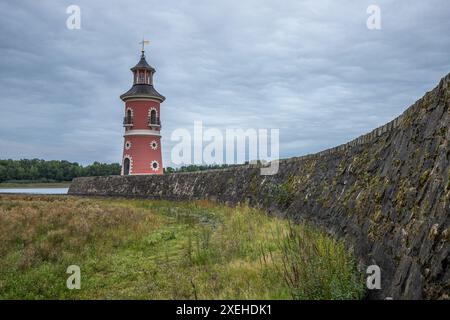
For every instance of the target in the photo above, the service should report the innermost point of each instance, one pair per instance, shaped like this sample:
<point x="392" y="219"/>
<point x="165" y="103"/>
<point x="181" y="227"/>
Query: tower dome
<point x="142" y="82"/>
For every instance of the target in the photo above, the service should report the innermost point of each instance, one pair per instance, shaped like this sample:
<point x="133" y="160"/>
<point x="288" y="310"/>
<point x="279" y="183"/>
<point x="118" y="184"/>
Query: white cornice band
<point x="142" y="132"/>
<point x="140" y="98"/>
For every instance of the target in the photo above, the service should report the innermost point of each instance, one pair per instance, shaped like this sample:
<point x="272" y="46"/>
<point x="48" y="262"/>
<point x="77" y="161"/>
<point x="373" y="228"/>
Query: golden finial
<point x="144" y="42"/>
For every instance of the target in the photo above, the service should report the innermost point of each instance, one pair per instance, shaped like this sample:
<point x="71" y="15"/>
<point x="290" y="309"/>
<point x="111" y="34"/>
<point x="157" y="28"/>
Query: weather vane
<point x="144" y="42"/>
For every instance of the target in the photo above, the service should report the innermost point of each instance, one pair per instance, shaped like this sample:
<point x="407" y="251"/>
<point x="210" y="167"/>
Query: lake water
<point x="36" y="190"/>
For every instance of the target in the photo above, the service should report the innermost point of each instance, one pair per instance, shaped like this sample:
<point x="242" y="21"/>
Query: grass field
<point x="141" y="249"/>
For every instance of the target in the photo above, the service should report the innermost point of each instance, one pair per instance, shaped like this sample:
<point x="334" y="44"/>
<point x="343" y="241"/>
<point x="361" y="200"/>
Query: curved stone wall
<point x="387" y="193"/>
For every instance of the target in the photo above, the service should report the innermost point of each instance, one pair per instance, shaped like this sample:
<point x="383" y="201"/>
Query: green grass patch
<point x="142" y="249"/>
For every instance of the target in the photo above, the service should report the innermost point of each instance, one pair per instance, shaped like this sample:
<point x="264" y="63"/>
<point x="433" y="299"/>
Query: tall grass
<point x="165" y="250"/>
<point x="316" y="266"/>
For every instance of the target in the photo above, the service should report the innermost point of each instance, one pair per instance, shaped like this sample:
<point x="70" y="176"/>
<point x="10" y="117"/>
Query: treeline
<point x="52" y="171"/>
<point x="193" y="167"/>
<point x="38" y="170"/>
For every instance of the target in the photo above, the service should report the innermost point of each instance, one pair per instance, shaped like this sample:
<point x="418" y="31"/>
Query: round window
<point x="155" y="165"/>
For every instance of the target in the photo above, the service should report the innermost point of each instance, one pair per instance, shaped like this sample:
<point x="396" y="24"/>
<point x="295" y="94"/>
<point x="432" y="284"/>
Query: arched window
<point x="126" y="166"/>
<point x="153" y="119"/>
<point x="128" y="120"/>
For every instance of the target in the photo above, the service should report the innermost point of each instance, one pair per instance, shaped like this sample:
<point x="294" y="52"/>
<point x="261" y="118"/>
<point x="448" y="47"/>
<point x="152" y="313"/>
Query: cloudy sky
<point x="310" y="68"/>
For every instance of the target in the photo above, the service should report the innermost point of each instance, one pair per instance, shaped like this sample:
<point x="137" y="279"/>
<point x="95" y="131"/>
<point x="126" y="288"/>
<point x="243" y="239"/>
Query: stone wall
<point x="386" y="193"/>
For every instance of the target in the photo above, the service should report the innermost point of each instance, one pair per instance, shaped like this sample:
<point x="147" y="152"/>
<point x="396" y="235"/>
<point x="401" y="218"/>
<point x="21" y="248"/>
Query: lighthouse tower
<point x="142" y="138"/>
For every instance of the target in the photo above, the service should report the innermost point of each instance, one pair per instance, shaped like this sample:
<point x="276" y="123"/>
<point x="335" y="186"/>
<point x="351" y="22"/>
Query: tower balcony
<point x="128" y="121"/>
<point x="154" y="122"/>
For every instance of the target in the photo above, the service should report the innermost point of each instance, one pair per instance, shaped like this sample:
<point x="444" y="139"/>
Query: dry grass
<point x="47" y="228"/>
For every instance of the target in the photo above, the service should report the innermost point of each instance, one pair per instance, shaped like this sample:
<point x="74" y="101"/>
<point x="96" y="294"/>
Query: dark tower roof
<point x="142" y="64"/>
<point x="142" y="90"/>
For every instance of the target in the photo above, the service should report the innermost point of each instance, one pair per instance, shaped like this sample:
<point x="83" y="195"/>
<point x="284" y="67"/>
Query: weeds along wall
<point x="386" y="193"/>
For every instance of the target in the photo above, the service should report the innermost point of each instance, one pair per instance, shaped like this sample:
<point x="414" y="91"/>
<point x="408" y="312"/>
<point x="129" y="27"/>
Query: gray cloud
<point x="310" y="68"/>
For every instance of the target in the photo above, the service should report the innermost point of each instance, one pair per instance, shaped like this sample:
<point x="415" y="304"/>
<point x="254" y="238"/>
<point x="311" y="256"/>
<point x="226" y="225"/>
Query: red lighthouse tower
<point x="142" y="138"/>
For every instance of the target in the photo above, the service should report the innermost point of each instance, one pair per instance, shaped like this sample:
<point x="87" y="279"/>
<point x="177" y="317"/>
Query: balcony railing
<point x="154" y="122"/>
<point x="128" y="121"/>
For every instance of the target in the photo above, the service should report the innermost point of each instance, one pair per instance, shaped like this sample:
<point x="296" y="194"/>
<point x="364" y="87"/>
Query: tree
<point x="3" y="175"/>
<point x="53" y="170"/>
